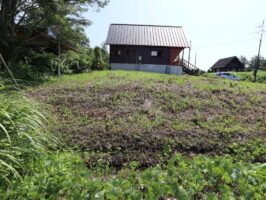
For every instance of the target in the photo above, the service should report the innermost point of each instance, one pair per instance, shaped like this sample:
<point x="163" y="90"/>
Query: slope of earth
<point x="244" y="76"/>
<point x="119" y="117"/>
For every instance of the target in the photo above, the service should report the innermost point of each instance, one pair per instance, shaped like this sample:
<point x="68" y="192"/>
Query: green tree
<point x="63" y="15"/>
<point x="263" y="64"/>
<point x="244" y="60"/>
<point x="99" y="58"/>
<point x="105" y="53"/>
<point x="254" y="60"/>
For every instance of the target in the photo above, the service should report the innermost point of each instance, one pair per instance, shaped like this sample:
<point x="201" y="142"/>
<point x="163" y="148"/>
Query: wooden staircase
<point x="189" y="68"/>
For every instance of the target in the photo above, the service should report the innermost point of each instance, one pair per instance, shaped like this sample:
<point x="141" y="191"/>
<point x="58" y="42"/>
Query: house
<point x="148" y="48"/>
<point x="227" y="64"/>
<point x="42" y="39"/>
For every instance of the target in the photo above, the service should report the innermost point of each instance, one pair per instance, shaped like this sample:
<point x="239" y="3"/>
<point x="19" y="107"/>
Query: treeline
<point x="250" y="64"/>
<point x="43" y="37"/>
<point x="34" y="65"/>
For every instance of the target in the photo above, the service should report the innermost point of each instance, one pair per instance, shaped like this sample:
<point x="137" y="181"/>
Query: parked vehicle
<point x="228" y="76"/>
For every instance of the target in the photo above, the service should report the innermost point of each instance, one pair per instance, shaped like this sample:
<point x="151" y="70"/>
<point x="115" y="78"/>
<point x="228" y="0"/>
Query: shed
<point x="227" y="64"/>
<point x="151" y="48"/>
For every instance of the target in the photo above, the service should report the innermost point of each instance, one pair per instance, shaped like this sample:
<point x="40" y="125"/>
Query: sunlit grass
<point x="22" y="135"/>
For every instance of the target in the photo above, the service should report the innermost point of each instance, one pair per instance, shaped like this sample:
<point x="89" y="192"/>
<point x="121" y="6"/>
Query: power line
<point x="226" y="43"/>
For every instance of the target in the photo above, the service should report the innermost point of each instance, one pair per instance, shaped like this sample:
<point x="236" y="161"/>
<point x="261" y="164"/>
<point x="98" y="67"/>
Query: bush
<point x="32" y="66"/>
<point x="35" y="66"/>
<point x="248" y="76"/>
<point x="78" y="62"/>
<point x="100" y="58"/>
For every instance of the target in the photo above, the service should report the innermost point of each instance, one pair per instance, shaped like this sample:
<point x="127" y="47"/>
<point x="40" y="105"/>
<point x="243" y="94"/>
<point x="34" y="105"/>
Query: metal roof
<point x="146" y="35"/>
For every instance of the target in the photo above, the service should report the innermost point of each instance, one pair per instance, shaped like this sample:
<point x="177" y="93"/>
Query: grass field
<point x="133" y="135"/>
<point x="246" y="76"/>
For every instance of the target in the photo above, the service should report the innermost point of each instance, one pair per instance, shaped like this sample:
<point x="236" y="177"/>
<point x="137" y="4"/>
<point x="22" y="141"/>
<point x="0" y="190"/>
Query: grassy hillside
<point x="132" y="135"/>
<point x="248" y="76"/>
<point x="245" y="76"/>
<point x="120" y="117"/>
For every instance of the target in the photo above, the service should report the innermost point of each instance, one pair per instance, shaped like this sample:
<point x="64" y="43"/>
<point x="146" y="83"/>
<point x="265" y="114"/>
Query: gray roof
<point x="146" y="35"/>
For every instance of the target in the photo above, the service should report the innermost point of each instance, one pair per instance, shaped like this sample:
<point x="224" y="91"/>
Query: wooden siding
<point x="130" y="54"/>
<point x="174" y="52"/>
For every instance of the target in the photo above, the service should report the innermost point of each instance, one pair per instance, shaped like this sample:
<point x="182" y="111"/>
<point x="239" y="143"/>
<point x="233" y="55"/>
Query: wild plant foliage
<point x="63" y="15"/>
<point x="29" y="170"/>
<point x="22" y="136"/>
<point x="63" y="175"/>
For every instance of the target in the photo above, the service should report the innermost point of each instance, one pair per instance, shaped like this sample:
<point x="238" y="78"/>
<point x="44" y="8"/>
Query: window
<point x="154" y="53"/>
<point x="118" y="52"/>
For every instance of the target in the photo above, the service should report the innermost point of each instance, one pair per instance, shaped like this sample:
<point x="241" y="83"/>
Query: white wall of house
<point x="163" y="69"/>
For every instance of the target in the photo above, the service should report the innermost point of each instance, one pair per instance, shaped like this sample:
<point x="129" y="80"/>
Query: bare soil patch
<point x="147" y="123"/>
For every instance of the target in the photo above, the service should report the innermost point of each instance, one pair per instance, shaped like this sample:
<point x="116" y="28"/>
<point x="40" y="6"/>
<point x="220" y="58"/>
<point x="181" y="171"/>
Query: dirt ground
<point x="149" y="122"/>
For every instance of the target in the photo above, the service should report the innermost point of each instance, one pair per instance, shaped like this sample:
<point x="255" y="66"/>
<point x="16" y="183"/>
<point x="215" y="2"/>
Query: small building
<point x="148" y="48"/>
<point x="227" y="64"/>
<point x="42" y="39"/>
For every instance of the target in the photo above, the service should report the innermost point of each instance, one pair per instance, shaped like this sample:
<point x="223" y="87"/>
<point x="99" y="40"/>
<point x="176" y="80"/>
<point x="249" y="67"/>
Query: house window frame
<point x="118" y="52"/>
<point x="154" y="53"/>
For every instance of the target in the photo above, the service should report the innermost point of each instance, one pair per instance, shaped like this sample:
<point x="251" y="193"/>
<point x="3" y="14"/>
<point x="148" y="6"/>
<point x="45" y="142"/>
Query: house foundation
<point x="163" y="69"/>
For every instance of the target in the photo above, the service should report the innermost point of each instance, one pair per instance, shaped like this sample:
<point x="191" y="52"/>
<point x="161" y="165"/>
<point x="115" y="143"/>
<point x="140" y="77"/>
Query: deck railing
<point x="189" y="68"/>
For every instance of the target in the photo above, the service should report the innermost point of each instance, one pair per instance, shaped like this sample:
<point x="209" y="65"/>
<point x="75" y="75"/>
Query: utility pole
<point x="257" y="64"/>
<point x="195" y="60"/>
<point x="183" y="55"/>
<point x="189" y="53"/>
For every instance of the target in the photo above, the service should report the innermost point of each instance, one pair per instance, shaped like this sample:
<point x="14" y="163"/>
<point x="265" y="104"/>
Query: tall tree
<point x="244" y="60"/>
<point x="63" y="15"/>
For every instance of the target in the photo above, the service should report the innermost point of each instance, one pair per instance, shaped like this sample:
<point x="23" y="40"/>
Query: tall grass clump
<point x="22" y="136"/>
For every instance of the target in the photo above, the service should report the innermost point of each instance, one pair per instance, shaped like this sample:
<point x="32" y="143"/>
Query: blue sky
<point x="216" y="28"/>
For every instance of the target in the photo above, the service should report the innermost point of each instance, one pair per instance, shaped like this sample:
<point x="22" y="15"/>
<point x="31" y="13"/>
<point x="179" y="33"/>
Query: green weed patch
<point x="121" y="117"/>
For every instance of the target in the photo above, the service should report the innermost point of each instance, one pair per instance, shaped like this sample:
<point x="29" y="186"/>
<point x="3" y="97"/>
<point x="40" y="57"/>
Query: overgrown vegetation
<point x="38" y="37"/>
<point x="22" y="136"/>
<point x="20" y="21"/>
<point x="64" y="176"/>
<point x="244" y="76"/>
<point x="36" y="66"/>
<point x="128" y="130"/>
<point x="120" y="117"/>
<point x="248" y="76"/>
<point x="250" y="64"/>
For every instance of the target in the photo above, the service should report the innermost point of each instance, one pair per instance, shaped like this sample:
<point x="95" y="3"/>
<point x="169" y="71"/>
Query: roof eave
<point x="107" y="43"/>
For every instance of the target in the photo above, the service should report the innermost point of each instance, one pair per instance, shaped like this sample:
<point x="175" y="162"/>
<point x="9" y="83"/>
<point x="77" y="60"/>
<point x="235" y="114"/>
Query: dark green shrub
<point x="78" y="62"/>
<point x="100" y="59"/>
<point x="35" y="66"/>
